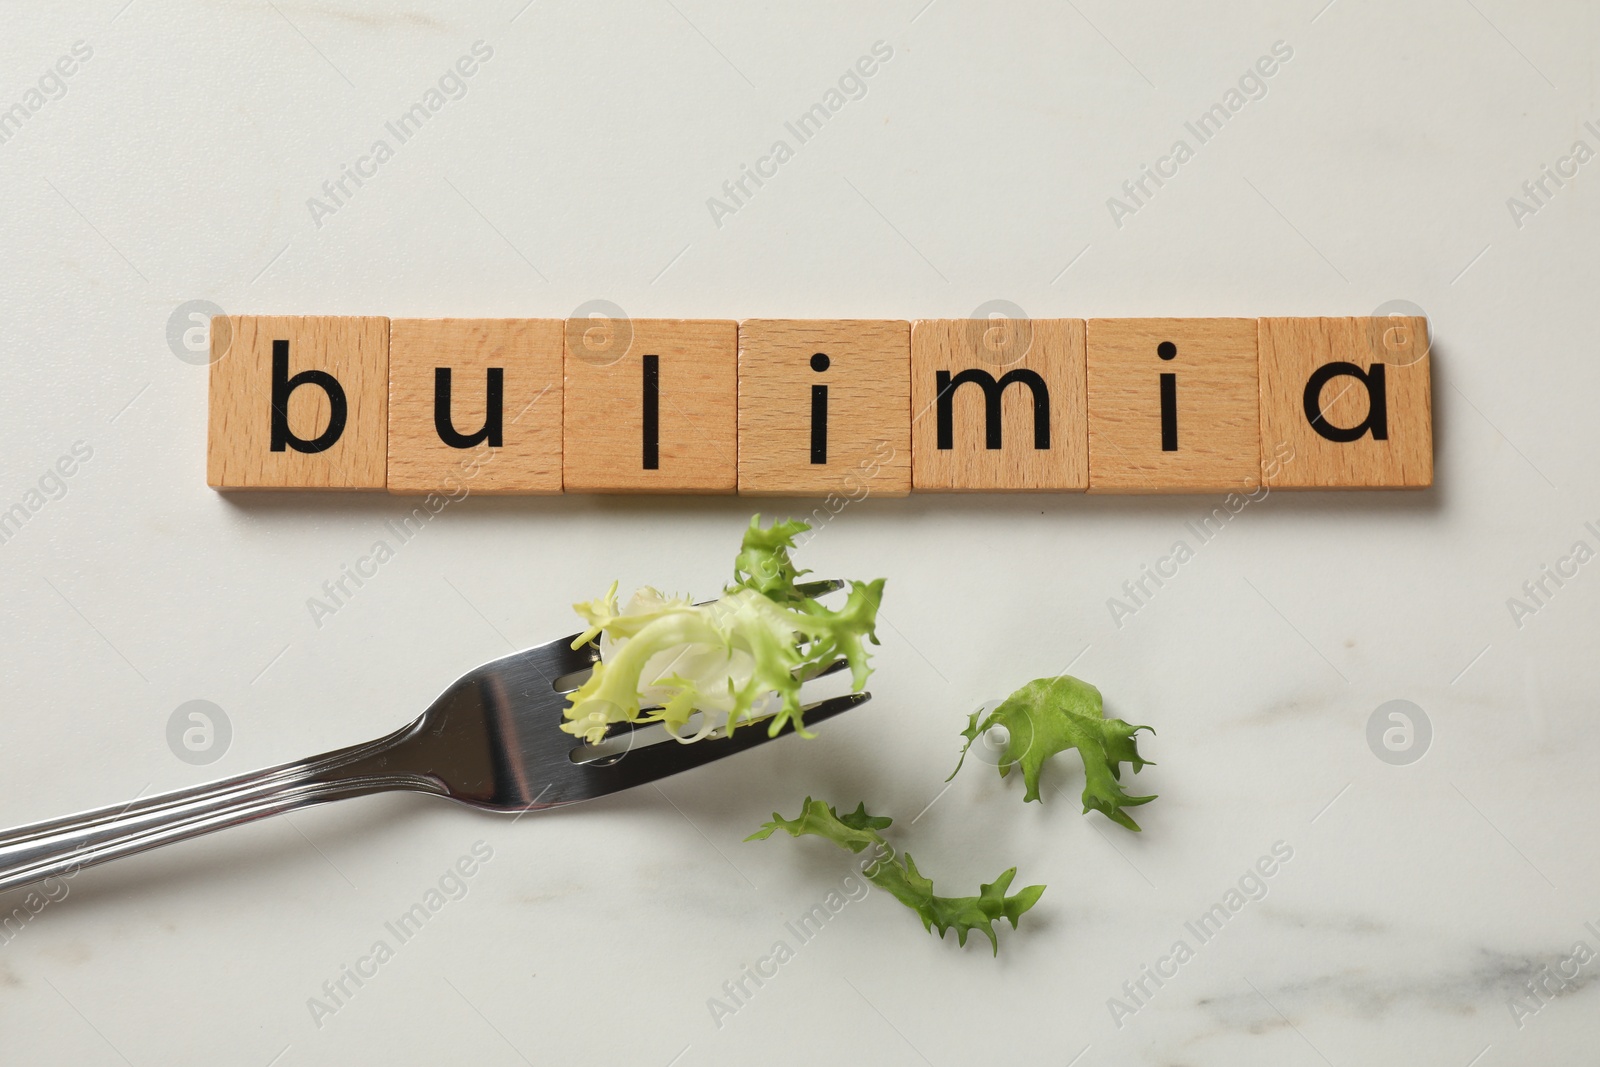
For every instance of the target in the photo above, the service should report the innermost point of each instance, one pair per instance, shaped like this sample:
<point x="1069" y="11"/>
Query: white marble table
<point x="1411" y="903"/>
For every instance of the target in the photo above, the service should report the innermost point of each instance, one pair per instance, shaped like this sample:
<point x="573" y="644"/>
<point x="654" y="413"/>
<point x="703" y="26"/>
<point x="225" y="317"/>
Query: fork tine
<point x="812" y="590"/>
<point x="821" y="672"/>
<point x="644" y="765"/>
<point x="819" y="587"/>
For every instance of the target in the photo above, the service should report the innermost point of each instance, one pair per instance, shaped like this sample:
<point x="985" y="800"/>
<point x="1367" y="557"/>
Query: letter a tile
<point x="1345" y="402"/>
<point x="298" y="402"/>
<point x="998" y="404"/>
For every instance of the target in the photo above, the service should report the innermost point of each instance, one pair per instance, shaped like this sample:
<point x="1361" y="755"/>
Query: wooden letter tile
<point x="1173" y="405"/>
<point x="475" y="403"/>
<point x="998" y="405"/>
<point x="1345" y="402"/>
<point x="824" y="407"/>
<point x="298" y="402"/>
<point x="651" y="406"/>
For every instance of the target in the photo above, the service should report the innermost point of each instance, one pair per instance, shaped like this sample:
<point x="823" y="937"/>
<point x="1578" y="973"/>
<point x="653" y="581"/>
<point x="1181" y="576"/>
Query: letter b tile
<point x="298" y="402"/>
<point x="998" y="405"/>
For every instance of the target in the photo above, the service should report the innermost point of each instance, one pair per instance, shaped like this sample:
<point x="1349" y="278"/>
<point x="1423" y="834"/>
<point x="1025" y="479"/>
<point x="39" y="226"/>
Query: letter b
<point x="283" y="386"/>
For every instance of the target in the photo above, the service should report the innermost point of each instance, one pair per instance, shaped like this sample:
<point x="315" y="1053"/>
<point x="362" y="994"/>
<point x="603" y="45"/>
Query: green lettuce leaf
<point x="858" y="831"/>
<point x="738" y="659"/>
<point x="763" y="562"/>
<point x="1051" y="715"/>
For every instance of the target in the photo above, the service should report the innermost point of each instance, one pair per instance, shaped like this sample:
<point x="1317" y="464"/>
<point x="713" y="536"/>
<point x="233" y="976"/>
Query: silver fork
<point x="490" y="740"/>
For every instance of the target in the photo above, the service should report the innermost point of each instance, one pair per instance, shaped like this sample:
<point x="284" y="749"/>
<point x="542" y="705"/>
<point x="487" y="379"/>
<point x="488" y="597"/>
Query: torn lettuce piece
<point x="763" y="562"/>
<point x="858" y="831"/>
<point x="1050" y="715"/>
<point x="737" y="659"/>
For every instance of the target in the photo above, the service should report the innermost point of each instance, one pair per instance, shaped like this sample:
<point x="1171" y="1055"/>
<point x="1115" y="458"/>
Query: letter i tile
<point x="824" y="407"/>
<point x="1173" y="405"/>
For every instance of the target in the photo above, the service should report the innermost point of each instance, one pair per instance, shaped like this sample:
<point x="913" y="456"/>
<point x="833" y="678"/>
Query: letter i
<point x="819" y="412"/>
<point x="1169" y="400"/>
<point x="652" y="413"/>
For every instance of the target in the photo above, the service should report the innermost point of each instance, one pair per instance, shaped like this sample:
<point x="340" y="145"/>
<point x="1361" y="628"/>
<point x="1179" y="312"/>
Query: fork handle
<point x="62" y="847"/>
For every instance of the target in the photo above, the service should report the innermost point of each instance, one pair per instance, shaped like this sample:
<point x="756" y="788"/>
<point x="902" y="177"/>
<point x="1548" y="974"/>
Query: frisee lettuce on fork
<point x="735" y="660"/>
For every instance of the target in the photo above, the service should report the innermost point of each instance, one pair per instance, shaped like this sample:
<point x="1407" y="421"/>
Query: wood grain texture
<point x="867" y="374"/>
<point x="691" y="367"/>
<point x="1292" y="350"/>
<point x="1218" y="429"/>
<point x="354" y="350"/>
<point x="1002" y="352"/>
<point x="526" y="353"/>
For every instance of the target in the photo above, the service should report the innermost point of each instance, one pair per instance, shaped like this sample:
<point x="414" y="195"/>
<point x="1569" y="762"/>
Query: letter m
<point x="992" y="394"/>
